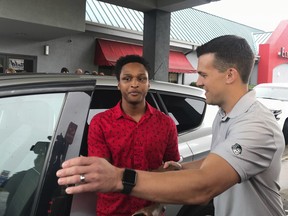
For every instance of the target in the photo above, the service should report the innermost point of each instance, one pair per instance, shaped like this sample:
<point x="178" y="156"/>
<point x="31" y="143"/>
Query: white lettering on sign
<point x="283" y="53"/>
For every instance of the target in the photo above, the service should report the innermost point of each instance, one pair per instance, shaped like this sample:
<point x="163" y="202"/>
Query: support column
<point x="156" y="42"/>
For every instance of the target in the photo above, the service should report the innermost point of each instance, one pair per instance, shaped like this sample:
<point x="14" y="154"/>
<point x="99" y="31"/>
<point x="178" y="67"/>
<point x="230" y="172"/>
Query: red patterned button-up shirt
<point x="142" y="145"/>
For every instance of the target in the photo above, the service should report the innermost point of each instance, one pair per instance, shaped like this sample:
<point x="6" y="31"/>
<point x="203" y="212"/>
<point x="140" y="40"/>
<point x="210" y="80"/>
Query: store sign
<point x="283" y="53"/>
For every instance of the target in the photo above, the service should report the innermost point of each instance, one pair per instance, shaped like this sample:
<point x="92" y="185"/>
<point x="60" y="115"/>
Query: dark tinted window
<point x="104" y="99"/>
<point x="186" y="111"/>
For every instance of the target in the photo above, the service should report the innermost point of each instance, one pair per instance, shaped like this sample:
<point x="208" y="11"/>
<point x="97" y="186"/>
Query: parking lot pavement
<point x="284" y="180"/>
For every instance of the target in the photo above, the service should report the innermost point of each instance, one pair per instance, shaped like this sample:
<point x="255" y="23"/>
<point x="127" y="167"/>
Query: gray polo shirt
<point x="250" y="140"/>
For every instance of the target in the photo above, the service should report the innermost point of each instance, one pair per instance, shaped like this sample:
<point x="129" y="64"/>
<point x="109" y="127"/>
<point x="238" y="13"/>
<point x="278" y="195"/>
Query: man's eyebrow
<point x="128" y="73"/>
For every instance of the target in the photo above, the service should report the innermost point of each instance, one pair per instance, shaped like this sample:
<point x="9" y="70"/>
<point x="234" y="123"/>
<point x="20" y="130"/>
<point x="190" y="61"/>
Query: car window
<point x="187" y="112"/>
<point x="272" y="93"/>
<point x="104" y="99"/>
<point x="26" y="126"/>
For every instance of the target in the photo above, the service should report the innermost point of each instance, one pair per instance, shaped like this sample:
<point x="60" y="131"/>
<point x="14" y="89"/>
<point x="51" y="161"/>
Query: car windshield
<point x="275" y="93"/>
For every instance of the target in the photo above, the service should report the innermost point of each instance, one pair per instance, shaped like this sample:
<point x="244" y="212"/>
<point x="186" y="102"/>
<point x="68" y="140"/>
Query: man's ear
<point x="231" y="75"/>
<point x="118" y="86"/>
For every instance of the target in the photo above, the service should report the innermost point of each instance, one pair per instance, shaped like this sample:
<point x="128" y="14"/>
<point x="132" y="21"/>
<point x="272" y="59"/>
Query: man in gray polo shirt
<point x="242" y="170"/>
<point x="248" y="138"/>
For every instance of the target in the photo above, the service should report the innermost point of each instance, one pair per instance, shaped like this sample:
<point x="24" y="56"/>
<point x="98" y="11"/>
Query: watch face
<point x="129" y="177"/>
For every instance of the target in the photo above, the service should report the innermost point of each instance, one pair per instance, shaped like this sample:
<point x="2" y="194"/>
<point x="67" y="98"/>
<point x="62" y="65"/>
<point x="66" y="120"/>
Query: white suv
<point x="275" y="97"/>
<point x="44" y="120"/>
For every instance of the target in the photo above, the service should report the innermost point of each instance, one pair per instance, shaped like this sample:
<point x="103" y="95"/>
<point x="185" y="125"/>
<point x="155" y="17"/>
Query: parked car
<point x="275" y="97"/>
<point x="44" y="120"/>
<point x="4" y="176"/>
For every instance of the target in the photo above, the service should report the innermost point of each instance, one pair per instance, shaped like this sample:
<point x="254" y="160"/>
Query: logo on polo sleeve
<point x="237" y="149"/>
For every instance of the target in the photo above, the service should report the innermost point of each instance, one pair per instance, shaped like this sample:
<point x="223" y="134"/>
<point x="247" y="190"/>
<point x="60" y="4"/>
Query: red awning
<point x="108" y="52"/>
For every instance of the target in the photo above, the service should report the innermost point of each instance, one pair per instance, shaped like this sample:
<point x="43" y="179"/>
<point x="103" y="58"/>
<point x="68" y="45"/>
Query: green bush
<point x="251" y="86"/>
<point x="193" y="84"/>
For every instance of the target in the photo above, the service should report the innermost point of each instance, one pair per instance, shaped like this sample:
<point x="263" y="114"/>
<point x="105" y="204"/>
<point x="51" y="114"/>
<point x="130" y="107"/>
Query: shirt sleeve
<point x="96" y="140"/>
<point x="172" y="150"/>
<point x="248" y="148"/>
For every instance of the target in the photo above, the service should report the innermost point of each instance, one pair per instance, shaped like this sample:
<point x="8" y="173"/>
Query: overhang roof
<point x="190" y="26"/>
<point x="42" y="32"/>
<point x="164" y="5"/>
<point x="107" y="52"/>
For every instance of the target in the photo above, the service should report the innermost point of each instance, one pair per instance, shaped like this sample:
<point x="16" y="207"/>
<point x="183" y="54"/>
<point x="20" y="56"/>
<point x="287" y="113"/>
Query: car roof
<point x="73" y="81"/>
<point x="159" y="85"/>
<point x="280" y="85"/>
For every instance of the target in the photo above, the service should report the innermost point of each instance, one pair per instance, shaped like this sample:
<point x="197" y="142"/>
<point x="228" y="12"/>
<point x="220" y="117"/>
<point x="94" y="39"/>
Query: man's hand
<point x="169" y="166"/>
<point x="85" y="174"/>
<point x="172" y="164"/>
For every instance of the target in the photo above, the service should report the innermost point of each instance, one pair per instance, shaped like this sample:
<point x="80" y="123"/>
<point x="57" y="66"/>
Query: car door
<point x="41" y="125"/>
<point x="187" y="111"/>
<point x="67" y="143"/>
<point x="27" y="123"/>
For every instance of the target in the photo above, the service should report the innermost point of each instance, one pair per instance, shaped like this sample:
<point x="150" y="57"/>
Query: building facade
<point x="79" y="46"/>
<point x="273" y="62"/>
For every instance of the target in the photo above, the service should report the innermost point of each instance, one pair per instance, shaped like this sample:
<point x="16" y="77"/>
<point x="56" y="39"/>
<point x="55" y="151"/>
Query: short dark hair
<point x="130" y="59"/>
<point x="64" y="70"/>
<point x="230" y="51"/>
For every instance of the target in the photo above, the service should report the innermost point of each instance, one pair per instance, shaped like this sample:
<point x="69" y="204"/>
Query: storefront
<point x="107" y="53"/>
<point x="20" y="63"/>
<point x="273" y="62"/>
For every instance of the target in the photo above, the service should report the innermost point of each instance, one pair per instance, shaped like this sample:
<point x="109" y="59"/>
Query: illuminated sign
<point x="283" y="53"/>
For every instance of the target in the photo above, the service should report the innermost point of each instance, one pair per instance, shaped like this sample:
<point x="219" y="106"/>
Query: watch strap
<point x="128" y="180"/>
<point x="127" y="188"/>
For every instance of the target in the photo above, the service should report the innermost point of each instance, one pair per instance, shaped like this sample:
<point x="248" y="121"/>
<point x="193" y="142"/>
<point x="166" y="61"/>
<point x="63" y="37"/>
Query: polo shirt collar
<point x="118" y="112"/>
<point x="241" y="106"/>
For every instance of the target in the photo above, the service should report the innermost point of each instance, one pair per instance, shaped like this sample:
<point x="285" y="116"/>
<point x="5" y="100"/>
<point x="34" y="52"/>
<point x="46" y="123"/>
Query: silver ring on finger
<point x="82" y="178"/>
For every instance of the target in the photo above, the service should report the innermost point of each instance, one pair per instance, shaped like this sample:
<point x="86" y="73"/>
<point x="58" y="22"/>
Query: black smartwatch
<point x="128" y="180"/>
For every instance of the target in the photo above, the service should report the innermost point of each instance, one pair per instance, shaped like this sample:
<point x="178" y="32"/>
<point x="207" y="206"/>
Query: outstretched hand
<point x="172" y="164"/>
<point x="169" y="166"/>
<point x="89" y="174"/>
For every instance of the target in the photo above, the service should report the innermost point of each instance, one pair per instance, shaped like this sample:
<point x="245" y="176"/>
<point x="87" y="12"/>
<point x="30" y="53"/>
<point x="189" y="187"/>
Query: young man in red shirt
<point x="132" y="134"/>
